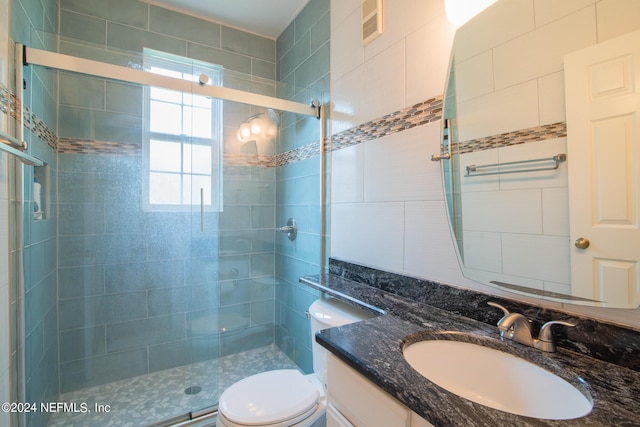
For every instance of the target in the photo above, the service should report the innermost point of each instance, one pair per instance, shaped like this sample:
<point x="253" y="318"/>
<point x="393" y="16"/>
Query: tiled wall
<point x="303" y="61"/>
<point x="155" y="291"/>
<point x="128" y="26"/>
<point x="40" y="240"/>
<point x="387" y="206"/>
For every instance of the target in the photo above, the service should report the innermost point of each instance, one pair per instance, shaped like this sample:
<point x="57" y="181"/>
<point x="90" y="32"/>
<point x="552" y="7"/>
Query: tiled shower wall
<point x="303" y="61"/>
<point x="40" y="240"/>
<point x="151" y="293"/>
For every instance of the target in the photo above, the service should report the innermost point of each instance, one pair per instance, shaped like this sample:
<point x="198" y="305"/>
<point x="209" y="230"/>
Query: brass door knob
<point x="582" y="243"/>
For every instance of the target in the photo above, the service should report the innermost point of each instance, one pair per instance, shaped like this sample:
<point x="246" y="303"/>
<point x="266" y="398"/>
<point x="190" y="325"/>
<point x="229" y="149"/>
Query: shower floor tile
<point x="151" y="398"/>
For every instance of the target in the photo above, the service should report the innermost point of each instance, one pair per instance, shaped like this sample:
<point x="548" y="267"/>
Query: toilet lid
<point x="268" y="398"/>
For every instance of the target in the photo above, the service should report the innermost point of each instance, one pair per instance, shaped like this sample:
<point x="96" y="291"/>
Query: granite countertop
<point x="374" y="348"/>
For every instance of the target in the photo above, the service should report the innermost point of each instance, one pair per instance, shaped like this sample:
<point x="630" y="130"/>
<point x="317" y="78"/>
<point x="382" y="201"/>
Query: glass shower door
<point x="161" y="209"/>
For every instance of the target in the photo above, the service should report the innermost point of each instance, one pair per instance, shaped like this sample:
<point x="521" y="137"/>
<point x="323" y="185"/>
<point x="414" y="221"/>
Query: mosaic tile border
<point x="522" y="136"/>
<point x="410" y="117"/>
<point x="90" y="146"/>
<point x="10" y="104"/>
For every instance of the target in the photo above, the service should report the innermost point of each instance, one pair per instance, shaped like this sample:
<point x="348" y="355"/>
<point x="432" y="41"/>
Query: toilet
<point x="286" y="397"/>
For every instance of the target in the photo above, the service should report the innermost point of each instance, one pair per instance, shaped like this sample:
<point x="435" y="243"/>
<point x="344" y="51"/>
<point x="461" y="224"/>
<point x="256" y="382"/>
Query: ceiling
<point x="268" y="18"/>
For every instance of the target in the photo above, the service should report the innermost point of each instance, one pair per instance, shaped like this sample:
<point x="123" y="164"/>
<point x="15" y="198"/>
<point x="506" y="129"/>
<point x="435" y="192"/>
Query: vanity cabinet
<point x="354" y="401"/>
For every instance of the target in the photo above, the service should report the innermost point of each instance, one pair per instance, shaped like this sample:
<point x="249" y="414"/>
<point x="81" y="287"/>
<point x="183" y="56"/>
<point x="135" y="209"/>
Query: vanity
<point x="368" y="355"/>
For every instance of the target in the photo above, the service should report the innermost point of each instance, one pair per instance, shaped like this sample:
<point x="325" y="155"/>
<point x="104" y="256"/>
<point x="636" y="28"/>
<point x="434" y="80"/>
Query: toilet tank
<point x="329" y="313"/>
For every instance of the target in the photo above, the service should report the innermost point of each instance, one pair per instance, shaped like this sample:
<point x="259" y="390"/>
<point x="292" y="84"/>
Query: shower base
<point x="151" y="398"/>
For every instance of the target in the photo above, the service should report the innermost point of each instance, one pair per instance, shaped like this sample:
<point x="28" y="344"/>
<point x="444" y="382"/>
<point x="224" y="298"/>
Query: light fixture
<point x="256" y="125"/>
<point x="259" y="126"/>
<point x="460" y="11"/>
<point x="245" y="131"/>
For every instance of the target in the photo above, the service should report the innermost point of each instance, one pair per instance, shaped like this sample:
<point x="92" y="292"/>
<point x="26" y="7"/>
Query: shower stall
<point x="153" y="266"/>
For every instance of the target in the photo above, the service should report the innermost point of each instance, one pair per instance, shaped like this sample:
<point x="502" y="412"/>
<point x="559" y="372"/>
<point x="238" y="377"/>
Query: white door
<point x="602" y="86"/>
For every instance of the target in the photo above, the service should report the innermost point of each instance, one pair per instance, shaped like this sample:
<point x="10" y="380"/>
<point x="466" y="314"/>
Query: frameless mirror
<point x="526" y="164"/>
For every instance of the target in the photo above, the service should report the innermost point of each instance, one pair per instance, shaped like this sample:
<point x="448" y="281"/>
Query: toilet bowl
<point x="286" y="397"/>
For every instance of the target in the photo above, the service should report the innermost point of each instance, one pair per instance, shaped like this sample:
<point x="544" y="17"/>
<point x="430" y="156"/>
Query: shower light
<point x="245" y="131"/>
<point x="259" y="126"/>
<point x="256" y="125"/>
<point x="460" y="11"/>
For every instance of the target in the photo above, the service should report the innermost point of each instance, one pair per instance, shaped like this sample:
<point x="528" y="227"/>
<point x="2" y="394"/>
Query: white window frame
<point x="188" y="199"/>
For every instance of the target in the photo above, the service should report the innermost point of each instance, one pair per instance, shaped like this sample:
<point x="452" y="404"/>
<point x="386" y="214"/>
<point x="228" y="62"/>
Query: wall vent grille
<point x="371" y="20"/>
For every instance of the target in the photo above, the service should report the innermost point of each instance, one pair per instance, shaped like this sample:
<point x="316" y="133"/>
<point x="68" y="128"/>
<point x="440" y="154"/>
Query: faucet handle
<point x="545" y="331"/>
<point x="496" y="305"/>
<point x="545" y="341"/>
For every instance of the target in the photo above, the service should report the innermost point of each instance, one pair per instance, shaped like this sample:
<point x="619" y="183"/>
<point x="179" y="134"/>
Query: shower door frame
<point x="59" y="61"/>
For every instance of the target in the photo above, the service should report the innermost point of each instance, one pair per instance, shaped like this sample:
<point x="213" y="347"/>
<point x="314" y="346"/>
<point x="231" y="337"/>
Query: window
<point x="182" y="151"/>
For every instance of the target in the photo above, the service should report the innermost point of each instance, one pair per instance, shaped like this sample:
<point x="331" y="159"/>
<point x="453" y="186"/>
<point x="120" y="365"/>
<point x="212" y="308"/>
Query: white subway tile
<point x="502" y="21"/>
<point x="542" y="51"/>
<point x="397" y="166"/>
<point x="348" y="54"/>
<point x="617" y="17"/>
<point x="555" y="211"/>
<point x="551" y="10"/>
<point x="551" y="98"/>
<point x="482" y="251"/>
<point x="369" y="234"/>
<point x="384" y="83"/>
<point x="342" y="9"/>
<point x="428" y="60"/>
<point x="429" y="248"/>
<point x="515" y="211"/>
<point x="346" y="111"/>
<point x="506" y="110"/>
<point x="474" y="77"/>
<point x="538" y="257"/>
<point x="347" y="174"/>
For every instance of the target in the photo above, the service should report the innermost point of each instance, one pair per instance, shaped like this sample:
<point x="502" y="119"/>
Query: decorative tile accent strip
<point x="40" y="129"/>
<point x="539" y="133"/>
<point x="410" y="117"/>
<point x="89" y="146"/>
<point x="302" y="153"/>
<point x="416" y="115"/>
<point x="4" y="99"/>
<point x="239" y="159"/>
<point x="10" y="104"/>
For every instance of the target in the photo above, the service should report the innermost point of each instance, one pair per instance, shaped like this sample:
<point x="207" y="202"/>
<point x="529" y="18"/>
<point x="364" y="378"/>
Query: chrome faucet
<point x="516" y="327"/>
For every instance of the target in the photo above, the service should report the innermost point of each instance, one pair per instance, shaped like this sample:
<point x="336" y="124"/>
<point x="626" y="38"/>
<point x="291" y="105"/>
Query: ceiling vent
<point x="371" y="20"/>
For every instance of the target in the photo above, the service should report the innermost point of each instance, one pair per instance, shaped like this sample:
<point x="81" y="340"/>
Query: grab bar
<point x="14" y="146"/>
<point x="557" y="159"/>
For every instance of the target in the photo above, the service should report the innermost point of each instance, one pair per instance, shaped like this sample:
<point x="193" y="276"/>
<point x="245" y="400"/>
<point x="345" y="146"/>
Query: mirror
<point x="506" y="153"/>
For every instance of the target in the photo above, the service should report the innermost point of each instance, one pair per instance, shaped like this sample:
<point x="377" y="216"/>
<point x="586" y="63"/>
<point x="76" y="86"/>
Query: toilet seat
<point x="270" y="399"/>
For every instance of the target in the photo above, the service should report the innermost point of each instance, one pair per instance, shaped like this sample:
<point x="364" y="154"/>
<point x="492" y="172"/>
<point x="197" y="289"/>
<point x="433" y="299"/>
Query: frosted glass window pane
<point x="201" y="162"/>
<point x="201" y="101"/>
<point x="165" y="118"/>
<point x="164" y="188"/>
<point x="187" y="196"/>
<point x="186" y="158"/>
<point x="164" y="156"/>
<point x="165" y="72"/>
<point x="197" y="159"/>
<point x="165" y="95"/>
<point x="201" y="122"/>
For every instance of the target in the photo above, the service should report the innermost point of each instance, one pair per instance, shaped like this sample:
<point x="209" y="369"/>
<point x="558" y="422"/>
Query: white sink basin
<point x="496" y="379"/>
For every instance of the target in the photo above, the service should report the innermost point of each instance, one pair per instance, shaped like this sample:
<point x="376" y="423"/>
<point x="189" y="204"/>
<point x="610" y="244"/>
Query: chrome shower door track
<point x="64" y="62"/>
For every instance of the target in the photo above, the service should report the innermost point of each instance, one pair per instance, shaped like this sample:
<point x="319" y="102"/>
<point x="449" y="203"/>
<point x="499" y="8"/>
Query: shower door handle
<point x="202" y="210"/>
